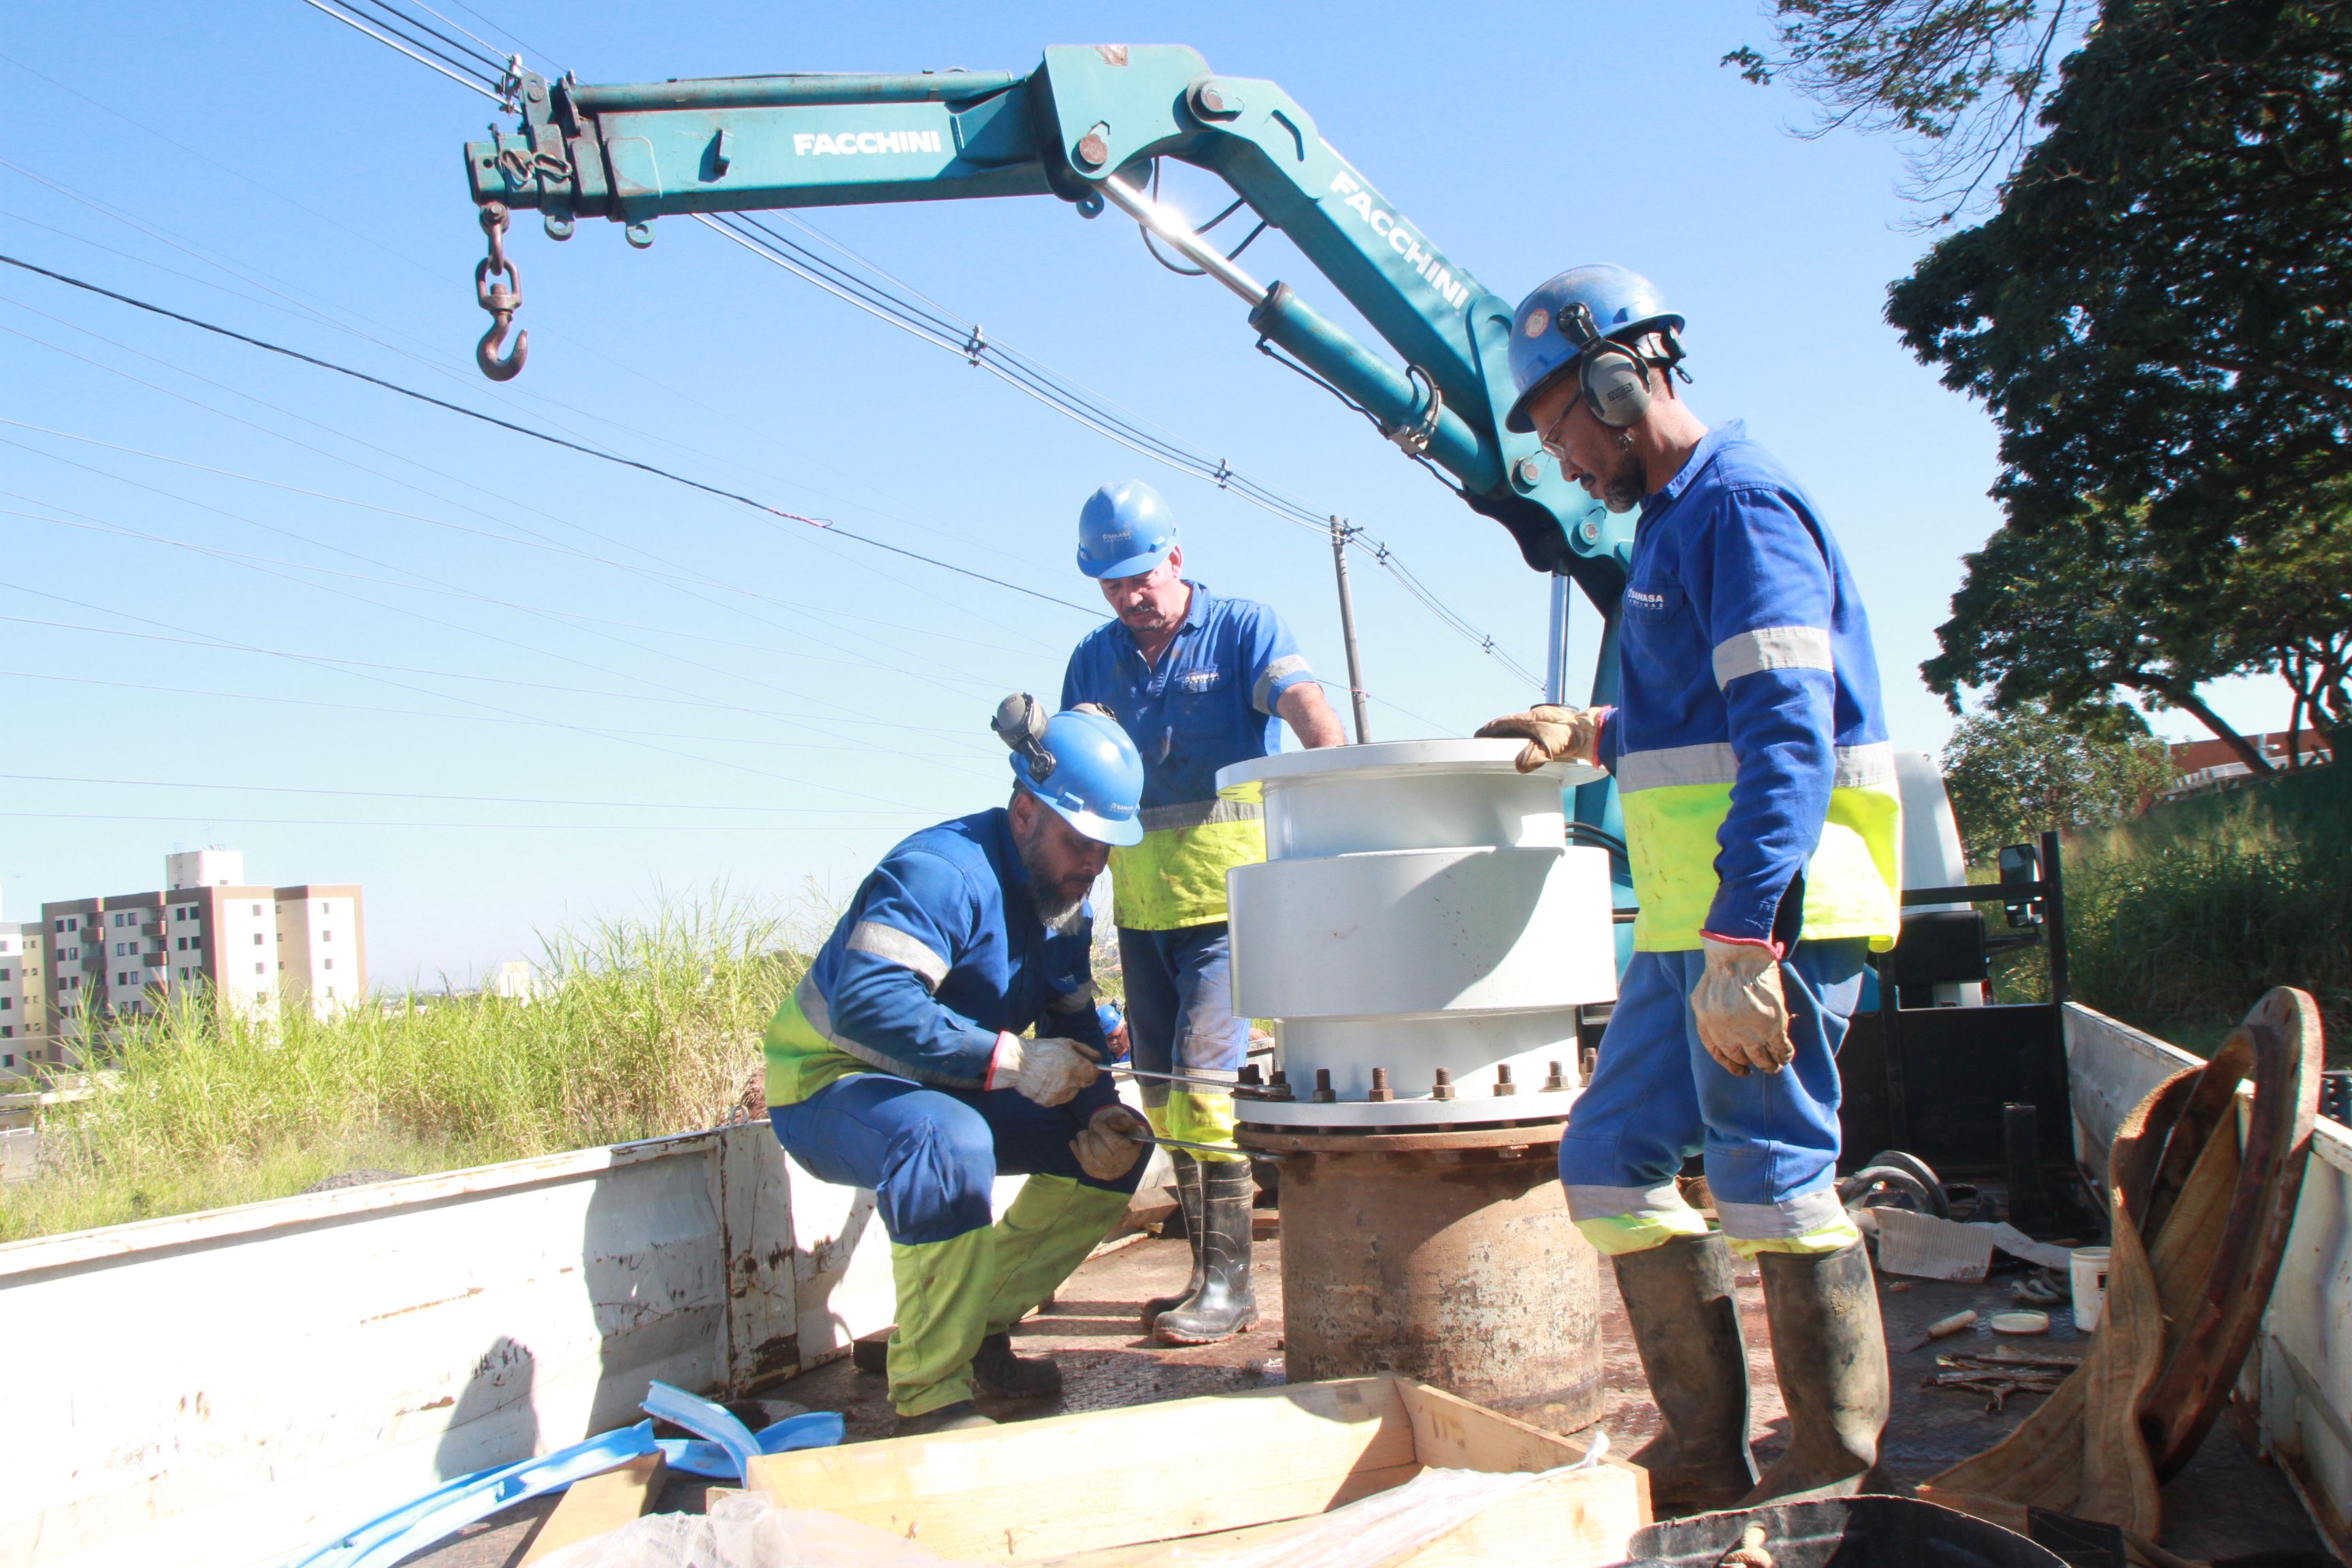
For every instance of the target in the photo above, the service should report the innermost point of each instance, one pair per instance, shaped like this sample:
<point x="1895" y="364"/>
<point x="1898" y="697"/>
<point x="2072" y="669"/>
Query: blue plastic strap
<point x="665" y="1401"/>
<point x="696" y="1457"/>
<point x="411" y="1528"/>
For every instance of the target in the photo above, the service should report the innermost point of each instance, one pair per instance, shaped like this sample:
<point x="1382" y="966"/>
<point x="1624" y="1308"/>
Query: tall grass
<point x="2178" y="921"/>
<point x="639" y="1027"/>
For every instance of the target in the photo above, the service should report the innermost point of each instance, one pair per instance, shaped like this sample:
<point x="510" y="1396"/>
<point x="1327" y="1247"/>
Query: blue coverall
<point x="878" y="1077"/>
<point x="1208" y="702"/>
<point x="1752" y="761"/>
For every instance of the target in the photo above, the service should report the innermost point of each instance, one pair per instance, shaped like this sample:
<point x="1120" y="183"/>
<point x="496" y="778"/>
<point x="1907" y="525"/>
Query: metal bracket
<point x="1413" y="439"/>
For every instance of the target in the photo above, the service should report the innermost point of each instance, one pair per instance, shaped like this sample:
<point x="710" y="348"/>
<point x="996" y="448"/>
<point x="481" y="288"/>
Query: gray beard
<point x="1054" y="913"/>
<point x="1626" y="484"/>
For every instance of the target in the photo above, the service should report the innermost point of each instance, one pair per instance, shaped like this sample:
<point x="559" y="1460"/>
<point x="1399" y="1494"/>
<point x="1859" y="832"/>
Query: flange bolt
<point x="1553" y="1082"/>
<point x="1380" y="1091"/>
<point x="1323" y="1095"/>
<point x="1280" y="1087"/>
<point x="1503" y="1084"/>
<point x="1441" y="1085"/>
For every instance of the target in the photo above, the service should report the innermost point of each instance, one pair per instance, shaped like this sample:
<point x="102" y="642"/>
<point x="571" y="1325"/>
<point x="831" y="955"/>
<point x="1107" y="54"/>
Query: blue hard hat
<point x="1623" y="304"/>
<point x="1124" y="531"/>
<point x="1096" y="784"/>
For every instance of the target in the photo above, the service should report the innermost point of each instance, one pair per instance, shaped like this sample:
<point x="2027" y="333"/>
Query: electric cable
<point x="552" y="440"/>
<point x="489" y="91"/>
<point x="975" y="347"/>
<point x="383" y="712"/>
<point x="984" y="353"/>
<point x="461" y="799"/>
<point x="677" y="575"/>
<point x="435" y="825"/>
<point x="361" y="668"/>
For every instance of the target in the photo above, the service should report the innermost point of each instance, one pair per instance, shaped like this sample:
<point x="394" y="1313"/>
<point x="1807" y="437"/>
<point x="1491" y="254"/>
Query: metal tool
<point x="1224" y="1085"/>
<point x="1225" y="1148"/>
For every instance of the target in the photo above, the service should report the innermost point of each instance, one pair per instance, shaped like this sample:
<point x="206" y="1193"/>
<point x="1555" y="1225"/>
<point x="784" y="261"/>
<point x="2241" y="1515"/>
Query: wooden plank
<point x="598" y="1504"/>
<point x="1569" y="1521"/>
<point x="1112" y="1478"/>
<point x="1575" y="1521"/>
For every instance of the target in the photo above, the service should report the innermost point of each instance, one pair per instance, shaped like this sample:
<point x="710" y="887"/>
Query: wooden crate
<point x="1112" y="1487"/>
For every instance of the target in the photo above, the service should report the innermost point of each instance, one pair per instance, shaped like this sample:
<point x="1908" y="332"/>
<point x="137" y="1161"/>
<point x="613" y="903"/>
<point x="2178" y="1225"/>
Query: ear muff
<point x="1614" y="380"/>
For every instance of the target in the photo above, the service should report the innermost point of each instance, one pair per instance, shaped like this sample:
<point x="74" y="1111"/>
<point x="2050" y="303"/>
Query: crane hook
<point x="500" y="298"/>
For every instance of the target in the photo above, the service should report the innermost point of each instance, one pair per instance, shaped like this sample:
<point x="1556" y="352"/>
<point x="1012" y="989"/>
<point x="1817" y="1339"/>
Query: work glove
<point x="1098" y="710"/>
<point x="1048" y="1071"/>
<point x="1108" y="1146"/>
<point x="1552" y="734"/>
<point x="1742" y="1017"/>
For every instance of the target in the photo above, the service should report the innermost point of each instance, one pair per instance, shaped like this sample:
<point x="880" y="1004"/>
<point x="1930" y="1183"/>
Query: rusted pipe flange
<point x="1543" y="1133"/>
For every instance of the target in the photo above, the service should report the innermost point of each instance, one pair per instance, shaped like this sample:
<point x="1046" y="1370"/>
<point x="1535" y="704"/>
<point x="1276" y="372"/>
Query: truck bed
<point x="2225" y="1505"/>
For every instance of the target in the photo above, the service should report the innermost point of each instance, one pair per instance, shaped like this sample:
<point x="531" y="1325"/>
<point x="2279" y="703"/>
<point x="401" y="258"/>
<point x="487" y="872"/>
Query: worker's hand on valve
<point x="1048" y="1071"/>
<point x="1742" y="1017"/>
<point x="1110" y="1144"/>
<point x="1552" y="734"/>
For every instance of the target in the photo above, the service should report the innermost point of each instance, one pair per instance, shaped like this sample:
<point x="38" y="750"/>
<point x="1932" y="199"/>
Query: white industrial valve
<point x="1422" y="932"/>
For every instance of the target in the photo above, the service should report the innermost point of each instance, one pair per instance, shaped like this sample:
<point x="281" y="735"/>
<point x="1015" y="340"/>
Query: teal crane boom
<point x="1085" y="126"/>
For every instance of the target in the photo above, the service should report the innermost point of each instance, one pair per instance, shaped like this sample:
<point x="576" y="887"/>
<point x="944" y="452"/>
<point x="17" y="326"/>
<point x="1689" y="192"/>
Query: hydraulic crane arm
<point x="1085" y="126"/>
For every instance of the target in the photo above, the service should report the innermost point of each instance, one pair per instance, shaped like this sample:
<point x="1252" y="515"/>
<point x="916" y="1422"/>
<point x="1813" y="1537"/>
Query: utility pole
<point x="1339" y="535"/>
<point x="1555" y="656"/>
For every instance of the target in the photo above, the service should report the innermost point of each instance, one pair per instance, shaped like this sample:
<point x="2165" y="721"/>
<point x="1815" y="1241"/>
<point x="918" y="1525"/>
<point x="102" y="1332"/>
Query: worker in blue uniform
<point x="899" y="1064"/>
<point x="1198" y="683"/>
<point x="1762" y="822"/>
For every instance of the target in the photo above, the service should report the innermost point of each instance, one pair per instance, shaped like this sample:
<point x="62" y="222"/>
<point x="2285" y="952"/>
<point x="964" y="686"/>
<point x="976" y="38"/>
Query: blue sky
<point x="642" y="692"/>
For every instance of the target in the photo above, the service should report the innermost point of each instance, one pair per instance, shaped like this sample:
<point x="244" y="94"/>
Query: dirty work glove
<point x="1552" y="734"/>
<point x="1107" y="1147"/>
<point x="1098" y="710"/>
<point x="1048" y="1071"/>
<point x="1742" y="1017"/>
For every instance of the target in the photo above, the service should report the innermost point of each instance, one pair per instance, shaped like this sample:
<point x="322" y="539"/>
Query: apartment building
<point x="322" y="946"/>
<point x="16" y="1042"/>
<point x="252" y="949"/>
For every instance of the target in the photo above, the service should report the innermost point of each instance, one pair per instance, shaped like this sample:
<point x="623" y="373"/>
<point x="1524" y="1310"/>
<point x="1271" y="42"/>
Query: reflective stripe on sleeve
<point x="1199" y="814"/>
<point x="818" y="1011"/>
<point x="1710" y="762"/>
<point x="1714" y="762"/>
<point x="1771" y="648"/>
<point x="892" y="945"/>
<point x="1865" y="767"/>
<point x="1283" y="669"/>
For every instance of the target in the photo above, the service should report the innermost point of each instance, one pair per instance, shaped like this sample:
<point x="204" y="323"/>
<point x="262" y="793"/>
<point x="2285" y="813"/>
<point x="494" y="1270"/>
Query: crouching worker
<point x="899" y="1063"/>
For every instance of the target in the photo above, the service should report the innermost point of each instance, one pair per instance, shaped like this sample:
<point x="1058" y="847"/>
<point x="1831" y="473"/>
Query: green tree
<point x="2160" y="314"/>
<point x="1962" y="78"/>
<point x="2160" y="318"/>
<point x="2015" y="774"/>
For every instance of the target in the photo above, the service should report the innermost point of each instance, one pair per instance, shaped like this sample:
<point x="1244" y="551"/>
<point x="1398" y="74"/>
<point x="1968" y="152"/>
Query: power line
<point x="464" y="799"/>
<point x="481" y="85"/>
<point x="551" y="441"/>
<point x="797" y="744"/>
<point x="936" y="325"/>
<point x="1046" y="387"/>
<point x="411" y="825"/>
<point x="676" y="577"/>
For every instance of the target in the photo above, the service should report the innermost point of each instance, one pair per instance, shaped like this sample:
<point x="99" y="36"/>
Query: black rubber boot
<point x="1686" y="1327"/>
<point x="1226" y="1303"/>
<point x="957" y="1418"/>
<point x="1831" y="1352"/>
<point x="998" y="1374"/>
<point x="1188" y="1198"/>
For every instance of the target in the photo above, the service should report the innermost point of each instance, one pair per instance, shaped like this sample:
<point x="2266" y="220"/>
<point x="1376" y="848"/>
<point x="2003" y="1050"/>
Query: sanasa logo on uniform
<point x="1401" y="240"/>
<point x="818" y="142"/>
